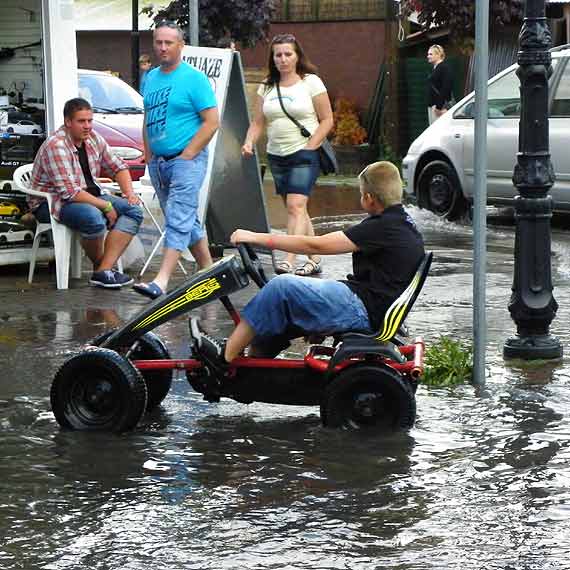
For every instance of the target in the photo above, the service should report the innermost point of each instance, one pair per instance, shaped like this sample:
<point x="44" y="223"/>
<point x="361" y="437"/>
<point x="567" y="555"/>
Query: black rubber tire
<point x="149" y="347"/>
<point x="439" y="191"/>
<point x="368" y="396"/>
<point x="10" y="130"/>
<point x="98" y="390"/>
<point x="3" y="239"/>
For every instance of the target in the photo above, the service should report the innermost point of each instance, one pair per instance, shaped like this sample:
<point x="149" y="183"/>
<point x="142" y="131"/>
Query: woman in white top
<point x="292" y="157"/>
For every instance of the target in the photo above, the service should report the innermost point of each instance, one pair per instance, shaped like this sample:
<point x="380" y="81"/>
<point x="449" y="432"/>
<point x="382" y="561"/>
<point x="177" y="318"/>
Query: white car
<point x="12" y="232"/>
<point x="23" y="127"/>
<point x="439" y="167"/>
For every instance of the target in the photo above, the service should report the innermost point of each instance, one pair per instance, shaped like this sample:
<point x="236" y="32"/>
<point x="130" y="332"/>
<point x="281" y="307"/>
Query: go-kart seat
<point x="383" y="342"/>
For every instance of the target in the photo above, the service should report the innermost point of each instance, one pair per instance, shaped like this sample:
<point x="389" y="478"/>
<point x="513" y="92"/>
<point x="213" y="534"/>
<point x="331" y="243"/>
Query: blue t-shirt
<point x="172" y="103"/>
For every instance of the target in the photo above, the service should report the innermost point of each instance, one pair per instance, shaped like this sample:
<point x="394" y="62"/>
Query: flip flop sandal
<point x="151" y="289"/>
<point x="309" y="268"/>
<point x="283" y="267"/>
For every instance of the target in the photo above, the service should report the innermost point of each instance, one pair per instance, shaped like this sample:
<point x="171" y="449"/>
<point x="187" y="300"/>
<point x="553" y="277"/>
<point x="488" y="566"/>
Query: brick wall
<point x="109" y="51"/>
<point x="348" y="54"/>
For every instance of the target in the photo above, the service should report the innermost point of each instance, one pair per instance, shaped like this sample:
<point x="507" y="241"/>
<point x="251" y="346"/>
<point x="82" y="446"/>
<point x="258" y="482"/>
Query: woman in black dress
<point x="440" y="84"/>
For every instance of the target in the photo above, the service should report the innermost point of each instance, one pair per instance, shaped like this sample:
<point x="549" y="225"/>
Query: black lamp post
<point x="532" y="305"/>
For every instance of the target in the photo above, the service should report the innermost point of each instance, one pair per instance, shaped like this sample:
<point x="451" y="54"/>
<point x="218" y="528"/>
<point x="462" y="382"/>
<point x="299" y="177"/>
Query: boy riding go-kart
<point x="366" y="379"/>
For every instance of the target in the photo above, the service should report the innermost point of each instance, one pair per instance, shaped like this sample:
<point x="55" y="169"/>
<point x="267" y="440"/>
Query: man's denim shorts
<point x="177" y="183"/>
<point x="90" y="222"/>
<point x="290" y="306"/>
<point x="295" y="173"/>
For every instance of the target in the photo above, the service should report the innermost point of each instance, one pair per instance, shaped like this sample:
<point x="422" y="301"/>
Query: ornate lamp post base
<point x="533" y="347"/>
<point x="532" y="304"/>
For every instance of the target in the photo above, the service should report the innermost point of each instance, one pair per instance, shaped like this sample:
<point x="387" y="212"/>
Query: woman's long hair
<point x="304" y="65"/>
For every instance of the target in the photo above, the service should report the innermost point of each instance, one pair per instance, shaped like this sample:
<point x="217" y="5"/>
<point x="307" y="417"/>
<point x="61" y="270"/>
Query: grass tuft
<point x="448" y="362"/>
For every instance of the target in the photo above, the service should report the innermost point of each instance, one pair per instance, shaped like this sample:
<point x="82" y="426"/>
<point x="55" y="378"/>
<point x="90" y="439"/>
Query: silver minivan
<point x="438" y="169"/>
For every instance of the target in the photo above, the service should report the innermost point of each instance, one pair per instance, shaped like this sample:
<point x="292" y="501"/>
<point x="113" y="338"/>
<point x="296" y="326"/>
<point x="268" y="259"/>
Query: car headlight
<point x="127" y="152"/>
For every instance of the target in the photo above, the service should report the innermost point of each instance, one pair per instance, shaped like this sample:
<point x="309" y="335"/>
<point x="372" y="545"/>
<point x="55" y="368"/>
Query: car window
<point x="561" y="101"/>
<point x="108" y="93"/>
<point x="503" y="96"/>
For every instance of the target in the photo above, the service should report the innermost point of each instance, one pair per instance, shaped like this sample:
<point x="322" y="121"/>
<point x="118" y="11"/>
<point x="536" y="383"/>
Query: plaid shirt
<point x="57" y="169"/>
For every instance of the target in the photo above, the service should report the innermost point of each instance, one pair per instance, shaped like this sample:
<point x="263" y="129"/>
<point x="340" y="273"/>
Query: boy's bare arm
<point x="328" y="244"/>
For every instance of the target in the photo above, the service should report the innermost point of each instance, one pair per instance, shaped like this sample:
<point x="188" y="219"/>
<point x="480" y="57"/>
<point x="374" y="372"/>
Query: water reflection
<point x="480" y="482"/>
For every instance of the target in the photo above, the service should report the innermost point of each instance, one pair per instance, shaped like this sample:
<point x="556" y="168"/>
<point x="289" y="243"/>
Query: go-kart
<point x="361" y="381"/>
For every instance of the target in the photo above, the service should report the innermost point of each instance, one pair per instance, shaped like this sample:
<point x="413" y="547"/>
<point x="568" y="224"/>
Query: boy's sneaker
<point x="208" y="348"/>
<point x="110" y="279"/>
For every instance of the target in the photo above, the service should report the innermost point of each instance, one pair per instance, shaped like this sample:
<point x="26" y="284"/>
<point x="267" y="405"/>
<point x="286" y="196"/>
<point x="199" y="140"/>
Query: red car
<point x="118" y="117"/>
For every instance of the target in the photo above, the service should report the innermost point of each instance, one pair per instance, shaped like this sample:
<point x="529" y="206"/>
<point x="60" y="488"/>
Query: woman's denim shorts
<point x="295" y="173"/>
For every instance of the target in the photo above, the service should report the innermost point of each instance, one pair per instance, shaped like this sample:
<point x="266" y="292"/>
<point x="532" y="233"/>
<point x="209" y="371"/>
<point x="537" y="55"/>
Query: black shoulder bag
<point x="327" y="158"/>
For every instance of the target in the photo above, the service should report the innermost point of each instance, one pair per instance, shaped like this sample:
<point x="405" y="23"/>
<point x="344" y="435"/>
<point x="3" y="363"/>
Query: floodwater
<point x="481" y="482"/>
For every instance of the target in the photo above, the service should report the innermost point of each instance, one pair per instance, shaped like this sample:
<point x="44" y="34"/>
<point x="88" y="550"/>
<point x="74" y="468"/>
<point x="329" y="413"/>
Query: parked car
<point x="24" y="127"/>
<point x="439" y="167"/>
<point x="11" y="232"/>
<point x="119" y="115"/>
<point x="18" y="152"/>
<point x="9" y="209"/>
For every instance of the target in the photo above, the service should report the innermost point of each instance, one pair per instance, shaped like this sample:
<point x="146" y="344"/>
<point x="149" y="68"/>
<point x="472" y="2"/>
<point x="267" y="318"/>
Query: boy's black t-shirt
<point x="390" y="250"/>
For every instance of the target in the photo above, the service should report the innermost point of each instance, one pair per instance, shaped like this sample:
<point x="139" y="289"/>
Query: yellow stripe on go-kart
<point x="201" y="290"/>
<point x="395" y="312"/>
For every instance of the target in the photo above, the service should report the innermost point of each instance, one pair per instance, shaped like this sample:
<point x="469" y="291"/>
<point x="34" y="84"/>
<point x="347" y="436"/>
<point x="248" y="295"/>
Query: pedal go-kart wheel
<point x="369" y="397"/>
<point x="147" y="347"/>
<point x="252" y="264"/>
<point x="98" y="390"/>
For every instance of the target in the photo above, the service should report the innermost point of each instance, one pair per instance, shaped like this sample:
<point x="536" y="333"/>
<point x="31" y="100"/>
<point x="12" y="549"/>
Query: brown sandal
<point x="310" y="267"/>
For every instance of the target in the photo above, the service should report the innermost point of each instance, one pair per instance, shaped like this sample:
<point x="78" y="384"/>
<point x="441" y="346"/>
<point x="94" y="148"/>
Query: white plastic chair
<point x="67" y="244"/>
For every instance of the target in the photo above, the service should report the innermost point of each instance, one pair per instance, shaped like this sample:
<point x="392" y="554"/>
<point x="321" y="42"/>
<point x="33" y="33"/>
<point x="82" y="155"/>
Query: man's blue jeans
<point x="177" y="183"/>
<point x="90" y="222"/>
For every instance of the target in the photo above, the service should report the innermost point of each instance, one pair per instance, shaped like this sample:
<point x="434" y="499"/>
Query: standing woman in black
<point x="440" y="84"/>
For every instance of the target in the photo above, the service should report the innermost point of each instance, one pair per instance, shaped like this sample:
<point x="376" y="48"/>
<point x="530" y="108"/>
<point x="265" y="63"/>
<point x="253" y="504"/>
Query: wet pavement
<point x="481" y="482"/>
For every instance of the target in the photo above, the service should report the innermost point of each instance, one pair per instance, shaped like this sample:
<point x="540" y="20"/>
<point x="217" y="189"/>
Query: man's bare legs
<point x="115" y="244"/>
<point x="103" y="252"/>
<point x="199" y="250"/>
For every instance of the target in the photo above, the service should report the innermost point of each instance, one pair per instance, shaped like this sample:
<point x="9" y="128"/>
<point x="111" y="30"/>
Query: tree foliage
<point x="245" y="21"/>
<point x="459" y="15"/>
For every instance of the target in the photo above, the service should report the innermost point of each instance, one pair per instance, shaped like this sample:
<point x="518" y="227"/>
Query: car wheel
<point x="148" y="347"/>
<point x="439" y="191"/>
<point x="98" y="390"/>
<point x="28" y="237"/>
<point x="10" y="130"/>
<point x="3" y="239"/>
<point x="15" y="212"/>
<point x="372" y="397"/>
<point x="35" y="132"/>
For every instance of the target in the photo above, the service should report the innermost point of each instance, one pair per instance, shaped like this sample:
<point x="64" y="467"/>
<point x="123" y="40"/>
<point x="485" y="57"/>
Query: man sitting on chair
<point x="67" y="166"/>
<point x="386" y="250"/>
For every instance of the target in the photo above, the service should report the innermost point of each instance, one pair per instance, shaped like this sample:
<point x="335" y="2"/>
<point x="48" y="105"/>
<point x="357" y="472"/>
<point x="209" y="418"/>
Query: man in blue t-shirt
<point x="181" y="117"/>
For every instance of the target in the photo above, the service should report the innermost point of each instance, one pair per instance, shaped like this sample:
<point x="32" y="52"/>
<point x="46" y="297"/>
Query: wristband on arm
<point x="108" y="208"/>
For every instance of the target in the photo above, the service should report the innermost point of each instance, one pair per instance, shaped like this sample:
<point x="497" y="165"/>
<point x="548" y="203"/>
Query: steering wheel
<point x="252" y="265"/>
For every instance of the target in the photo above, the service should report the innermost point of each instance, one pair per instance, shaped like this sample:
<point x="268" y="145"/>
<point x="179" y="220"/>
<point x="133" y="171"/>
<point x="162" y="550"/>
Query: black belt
<point x="170" y="156"/>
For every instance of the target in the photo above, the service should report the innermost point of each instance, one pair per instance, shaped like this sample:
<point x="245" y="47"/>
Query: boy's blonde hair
<point x="145" y="58"/>
<point x="382" y="180"/>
